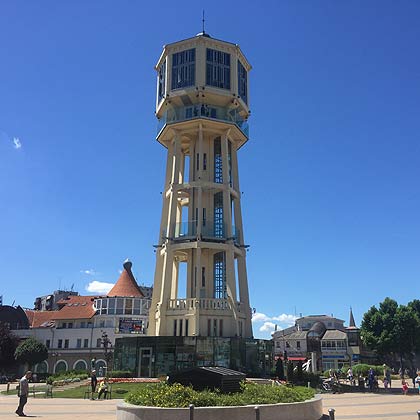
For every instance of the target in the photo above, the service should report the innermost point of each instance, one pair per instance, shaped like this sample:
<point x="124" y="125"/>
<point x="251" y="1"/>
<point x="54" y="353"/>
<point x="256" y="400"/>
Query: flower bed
<point x="134" y="380"/>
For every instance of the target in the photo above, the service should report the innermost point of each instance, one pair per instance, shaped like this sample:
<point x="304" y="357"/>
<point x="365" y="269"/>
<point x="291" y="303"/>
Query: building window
<point x="287" y="345"/>
<point x="218" y="69"/>
<point x="64" y="325"/>
<point x="79" y="343"/>
<point x="242" y="82"/>
<point x="186" y="327"/>
<point x="218" y="215"/>
<point x="70" y="325"/>
<point x="98" y="342"/>
<point x="83" y="324"/>
<point x="203" y="276"/>
<point x="214" y="327"/>
<point x="180" y="327"/>
<point x="204" y="217"/>
<point x="128" y="306"/>
<point x="161" y="81"/>
<point x="198" y="161"/>
<point x="298" y="345"/>
<point x="204" y="161"/>
<point x="86" y="343"/>
<point x="218" y="166"/>
<point x="209" y="327"/>
<point x="221" y="327"/>
<point x="219" y="275"/>
<point x="47" y="344"/>
<point x="278" y="345"/>
<point x="175" y="325"/>
<point x="120" y="306"/>
<point x="60" y="344"/>
<point x="111" y="307"/>
<point x="66" y="343"/>
<point x="183" y="69"/>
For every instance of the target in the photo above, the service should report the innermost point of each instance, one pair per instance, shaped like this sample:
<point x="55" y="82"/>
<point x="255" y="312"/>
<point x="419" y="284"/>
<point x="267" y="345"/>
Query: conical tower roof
<point x="352" y="324"/>
<point x="126" y="285"/>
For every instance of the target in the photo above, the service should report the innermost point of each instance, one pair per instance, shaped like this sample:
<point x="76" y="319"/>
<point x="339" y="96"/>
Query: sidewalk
<point x="367" y="406"/>
<point x="347" y="407"/>
<point x="59" y="408"/>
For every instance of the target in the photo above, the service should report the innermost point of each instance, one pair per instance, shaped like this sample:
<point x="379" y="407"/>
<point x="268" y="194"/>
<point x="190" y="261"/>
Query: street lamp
<point x="108" y="353"/>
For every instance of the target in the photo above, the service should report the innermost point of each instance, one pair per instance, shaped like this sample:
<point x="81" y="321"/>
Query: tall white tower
<point x="202" y="108"/>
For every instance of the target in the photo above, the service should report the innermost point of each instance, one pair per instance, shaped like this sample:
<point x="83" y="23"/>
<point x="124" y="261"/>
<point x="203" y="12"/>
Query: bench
<point x="89" y="394"/>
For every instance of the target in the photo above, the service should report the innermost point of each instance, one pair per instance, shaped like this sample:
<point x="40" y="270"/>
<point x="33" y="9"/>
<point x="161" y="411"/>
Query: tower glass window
<point x="183" y="69"/>
<point x="218" y="166"/>
<point x="218" y="69"/>
<point x="218" y="215"/>
<point x="242" y="82"/>
<point x="161" y="81"/>
<point x="219" y="276"/>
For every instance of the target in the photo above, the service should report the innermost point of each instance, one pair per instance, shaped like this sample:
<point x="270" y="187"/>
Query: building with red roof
<point x="77" y="330"/>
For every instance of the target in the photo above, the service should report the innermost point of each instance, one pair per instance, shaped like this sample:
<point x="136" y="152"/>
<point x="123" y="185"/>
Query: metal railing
<point x="210" y="231"/>
<point x="185" y="113"/>
<point x="203" y="304"/>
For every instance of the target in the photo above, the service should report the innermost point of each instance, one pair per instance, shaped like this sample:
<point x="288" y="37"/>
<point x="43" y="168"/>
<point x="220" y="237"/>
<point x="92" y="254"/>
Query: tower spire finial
<point x="203" y="20"/>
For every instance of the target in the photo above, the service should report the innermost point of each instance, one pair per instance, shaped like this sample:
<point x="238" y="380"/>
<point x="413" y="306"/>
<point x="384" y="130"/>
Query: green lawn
<point x="79" y="392"/>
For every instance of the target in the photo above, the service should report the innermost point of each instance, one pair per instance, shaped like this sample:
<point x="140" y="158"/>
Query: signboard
<point x="130" y="326"/>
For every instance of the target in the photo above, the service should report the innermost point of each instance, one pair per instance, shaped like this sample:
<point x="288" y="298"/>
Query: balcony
<point x="203" y="111"/>
<point x="187" y="231"/>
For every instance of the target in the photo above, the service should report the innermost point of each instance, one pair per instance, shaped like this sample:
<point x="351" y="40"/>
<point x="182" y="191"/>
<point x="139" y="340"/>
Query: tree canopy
<point x="8" y="344"/>
<point x="31" y="351"/>
<point x="392" y="329"/>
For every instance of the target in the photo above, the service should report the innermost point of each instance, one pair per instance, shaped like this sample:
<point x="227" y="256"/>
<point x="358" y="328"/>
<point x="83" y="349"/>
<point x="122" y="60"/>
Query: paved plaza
<point x="373" y="406"/>
<point x="348" y="406"/>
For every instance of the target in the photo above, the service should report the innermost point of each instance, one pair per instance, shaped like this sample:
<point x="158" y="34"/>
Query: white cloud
<point x="283" y="320"/>
<point x="89" y="272"/>
<point x="17" y="143"/>
<point x="268" y="327"/>
<point x="99" y="287"/>
<point x="288" y="320"/>
<point x="260" y="317"/>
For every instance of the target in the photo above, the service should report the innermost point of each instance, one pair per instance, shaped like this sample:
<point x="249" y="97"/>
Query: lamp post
<point x="108" y="353"/>
<point x="55" y="355"/>
<point x="285" y="364"/>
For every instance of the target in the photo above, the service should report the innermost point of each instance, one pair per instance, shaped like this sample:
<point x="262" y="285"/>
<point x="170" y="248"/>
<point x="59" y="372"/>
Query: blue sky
<point x="330" y="176"/>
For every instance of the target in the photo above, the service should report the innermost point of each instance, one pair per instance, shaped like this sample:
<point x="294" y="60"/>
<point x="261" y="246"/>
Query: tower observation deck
<point x="202" y="108"/>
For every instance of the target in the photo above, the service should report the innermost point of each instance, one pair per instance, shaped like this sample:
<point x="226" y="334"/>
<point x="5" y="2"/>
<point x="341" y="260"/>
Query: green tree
<point x="31" y="352"/>
<point x="280" y="369"/>
<point x="8" y="344"/>
<point x="299" y="372"/>
<point x="392" y="330"/>
<point x="290" y="373"/>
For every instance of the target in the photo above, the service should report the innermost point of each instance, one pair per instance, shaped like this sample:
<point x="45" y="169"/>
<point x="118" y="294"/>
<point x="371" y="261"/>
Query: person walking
<point x="417" y="380"/>
<point x="23" y="393"/>
<point x="93" y="381"/>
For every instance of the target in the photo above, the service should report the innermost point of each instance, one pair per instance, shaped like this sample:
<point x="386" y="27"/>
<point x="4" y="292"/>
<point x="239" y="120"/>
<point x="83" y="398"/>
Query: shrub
<point x="363" y="370"/>
<point x="179" y="396"/>
<point x="122" y="374"/>
<point x="70" y="376"/>
<point x="313" y="378"/>
<point x="120" y="391"/>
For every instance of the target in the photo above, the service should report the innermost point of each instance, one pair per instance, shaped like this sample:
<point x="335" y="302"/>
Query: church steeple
<point x="351" y="322"/>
